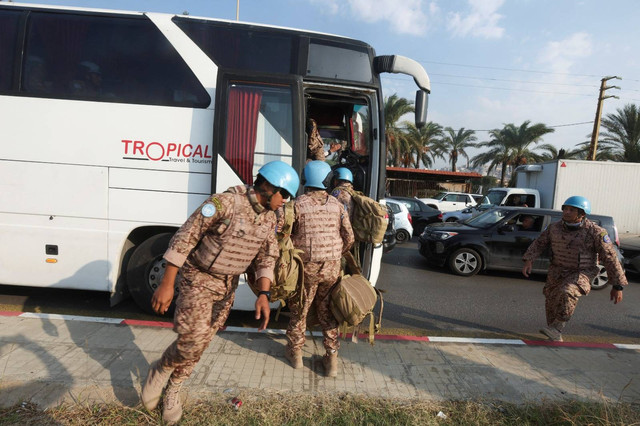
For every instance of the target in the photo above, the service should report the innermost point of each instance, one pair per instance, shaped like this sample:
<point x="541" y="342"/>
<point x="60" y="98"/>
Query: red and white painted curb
<point x="435" y="339"/>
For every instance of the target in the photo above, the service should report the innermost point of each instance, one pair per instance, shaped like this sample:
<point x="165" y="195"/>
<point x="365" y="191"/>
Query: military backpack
<point x="353" y="298"/>
<point x="289" y="268"/>
<point x="370" y="218"/>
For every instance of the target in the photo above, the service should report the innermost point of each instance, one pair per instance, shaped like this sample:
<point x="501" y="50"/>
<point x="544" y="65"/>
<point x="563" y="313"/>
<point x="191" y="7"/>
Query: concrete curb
<point x="434" y="339"/>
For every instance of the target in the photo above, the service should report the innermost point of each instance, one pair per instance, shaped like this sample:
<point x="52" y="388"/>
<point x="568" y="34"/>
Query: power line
<point x="510" y="69"/>
<point x="512" y="90"/>
<point x="515" y="81"/>
<point x="490" y="130"/>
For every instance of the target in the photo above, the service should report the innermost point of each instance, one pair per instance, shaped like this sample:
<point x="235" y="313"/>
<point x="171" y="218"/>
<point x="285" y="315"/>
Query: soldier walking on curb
<point x="213" y="247"/>
<point x="323" y="232"/>
<point x="577" y="244"/>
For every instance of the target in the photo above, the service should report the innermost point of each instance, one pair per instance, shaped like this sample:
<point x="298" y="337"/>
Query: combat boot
<point x="330" y="363"/>
<point x="554" y="331"/>
<point x="172" y="405"/>
<point x="152" y="389"/>
<point x="294" y="356"/>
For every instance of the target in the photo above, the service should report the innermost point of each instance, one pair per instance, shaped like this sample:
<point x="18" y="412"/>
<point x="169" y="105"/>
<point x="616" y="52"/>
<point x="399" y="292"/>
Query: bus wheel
<point x="145" y="271"/>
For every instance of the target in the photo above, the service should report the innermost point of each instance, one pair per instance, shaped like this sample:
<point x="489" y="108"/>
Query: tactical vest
<point x="318" y="229"/>
<point x="576" y="250"/>
<point x="230" y="248"/>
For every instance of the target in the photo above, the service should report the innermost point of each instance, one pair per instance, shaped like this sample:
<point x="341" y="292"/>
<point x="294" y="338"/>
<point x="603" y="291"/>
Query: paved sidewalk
<point x="51" y="358"/>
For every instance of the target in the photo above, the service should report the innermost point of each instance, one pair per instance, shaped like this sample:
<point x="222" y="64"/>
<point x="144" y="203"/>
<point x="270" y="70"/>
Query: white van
<point x="515" y="197"/>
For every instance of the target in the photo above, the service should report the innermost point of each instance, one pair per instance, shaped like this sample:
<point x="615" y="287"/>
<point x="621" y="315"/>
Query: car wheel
<point x="451" y="219"/>
<point x="145" y="270"/>
<point x="465" y="261"/>
<point x="600" y="281"/>
<point x="402" y="236"/>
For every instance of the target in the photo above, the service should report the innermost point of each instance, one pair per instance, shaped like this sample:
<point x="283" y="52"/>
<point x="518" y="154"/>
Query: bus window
<point x="259" y="128"/>
<point x="241" y="46"/>
<point x="93" y="58"/>
<point x="8" y="35"/>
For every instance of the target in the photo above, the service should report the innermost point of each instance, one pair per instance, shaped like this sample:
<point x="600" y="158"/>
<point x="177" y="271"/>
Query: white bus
<point x="116" y="125"/>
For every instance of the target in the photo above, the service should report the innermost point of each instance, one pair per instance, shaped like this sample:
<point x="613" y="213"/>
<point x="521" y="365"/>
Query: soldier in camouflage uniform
<point x="576" y="244"/>
<point x="315" y="143"/>
<point x="213" y="247"/>
<point x="342" y="183"/>
<point x="323" y="232"/>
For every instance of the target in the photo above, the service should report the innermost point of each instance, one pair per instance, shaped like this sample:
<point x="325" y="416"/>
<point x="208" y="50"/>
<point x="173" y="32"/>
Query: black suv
<point x="497" y="239"/>
<point x="421" y="214"/>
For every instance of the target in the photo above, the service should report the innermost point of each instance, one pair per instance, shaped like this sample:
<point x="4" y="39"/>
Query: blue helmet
<point x="316" y="174"/>
<point x="281" y="175"/>
<point x="342" y="173"/>
<point x="578" y="202"/>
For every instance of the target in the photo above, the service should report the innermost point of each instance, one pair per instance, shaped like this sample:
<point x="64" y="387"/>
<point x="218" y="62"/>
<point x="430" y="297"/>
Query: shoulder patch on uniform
<point x="208" y="210"/>
<point x="335" y="192"/>
<point x="606" y="238"/>
<point x="217" y="203"/>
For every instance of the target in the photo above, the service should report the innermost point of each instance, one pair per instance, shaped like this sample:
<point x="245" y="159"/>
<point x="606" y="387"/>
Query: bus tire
<point x="145" y="270"/>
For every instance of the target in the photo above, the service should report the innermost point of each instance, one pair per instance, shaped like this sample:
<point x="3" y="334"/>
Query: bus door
<point x="345" y="120"/>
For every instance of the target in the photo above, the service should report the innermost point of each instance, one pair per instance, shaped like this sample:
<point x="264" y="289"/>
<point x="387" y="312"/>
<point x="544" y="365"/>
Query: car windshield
<point x="486" y="219"/>
<point x="440" y="196"/>
<point x="495" y="197"/>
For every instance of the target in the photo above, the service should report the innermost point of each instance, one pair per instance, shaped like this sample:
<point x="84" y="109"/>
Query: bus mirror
<point x="422" y="103"/>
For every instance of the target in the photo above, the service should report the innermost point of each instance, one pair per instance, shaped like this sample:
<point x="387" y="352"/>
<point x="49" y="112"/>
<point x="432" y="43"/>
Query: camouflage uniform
<point x="323" y="232"/>
<point x="575" y="254"/>
<point x="210" y="262"/>
<point x="343" y="194"/>
<point x="315" y="144"/>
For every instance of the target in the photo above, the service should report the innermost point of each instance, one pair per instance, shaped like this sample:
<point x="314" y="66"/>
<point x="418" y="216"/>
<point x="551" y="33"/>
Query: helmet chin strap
<point x="267" y="196"/>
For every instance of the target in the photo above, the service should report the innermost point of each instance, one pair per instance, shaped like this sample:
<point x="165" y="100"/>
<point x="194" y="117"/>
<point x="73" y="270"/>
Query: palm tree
<point x="498" y="154"/>
<point x="519" y="139"/>
<point x="454" y="144"/>
<point x="425" y="142"/>
<point x="552" y="153"/>
<point x="394" y="109"/>
<point x="622" y="134"/>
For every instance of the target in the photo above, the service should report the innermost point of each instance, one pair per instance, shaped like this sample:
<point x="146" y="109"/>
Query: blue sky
<point x="491" y="62"/>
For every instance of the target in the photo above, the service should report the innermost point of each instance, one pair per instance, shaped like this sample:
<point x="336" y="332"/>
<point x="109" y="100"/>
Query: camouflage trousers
<point x="202" y="307"/>
<point x="561" y="292"/>
<point x="319" y="278"/>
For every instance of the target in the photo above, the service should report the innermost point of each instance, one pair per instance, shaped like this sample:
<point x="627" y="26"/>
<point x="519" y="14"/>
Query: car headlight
<point x="443" y="235"/>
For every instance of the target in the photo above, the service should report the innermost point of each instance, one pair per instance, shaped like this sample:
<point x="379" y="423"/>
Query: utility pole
<point x="593" y="147"/>
<point x="237" y="10"/>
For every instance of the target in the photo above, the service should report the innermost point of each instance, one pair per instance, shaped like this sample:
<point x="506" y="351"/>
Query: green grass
<point x="295" y="409"/>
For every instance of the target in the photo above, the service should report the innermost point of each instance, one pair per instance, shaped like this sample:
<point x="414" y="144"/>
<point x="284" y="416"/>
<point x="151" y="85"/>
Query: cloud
<point x="404" y="16"/>
<point x="481" y="21"/>
<point x="561" y="55"/>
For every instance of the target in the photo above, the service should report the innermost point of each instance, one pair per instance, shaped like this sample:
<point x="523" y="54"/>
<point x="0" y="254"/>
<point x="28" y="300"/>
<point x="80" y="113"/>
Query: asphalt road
<point x="418" y="300"/>
<point x="422" y="299"/>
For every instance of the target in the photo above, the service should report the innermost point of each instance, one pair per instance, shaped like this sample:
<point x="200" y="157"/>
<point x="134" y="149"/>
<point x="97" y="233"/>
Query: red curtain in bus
<point x="242" y="125"/>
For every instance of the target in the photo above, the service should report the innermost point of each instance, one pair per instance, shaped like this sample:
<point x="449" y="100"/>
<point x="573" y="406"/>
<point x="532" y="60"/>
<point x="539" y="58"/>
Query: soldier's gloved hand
<point x="616" y="296"/>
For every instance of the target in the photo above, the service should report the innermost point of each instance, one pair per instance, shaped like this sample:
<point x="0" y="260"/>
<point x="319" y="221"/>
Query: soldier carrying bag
<point x="370" y="218"/>
<point x="353" y="298"/>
